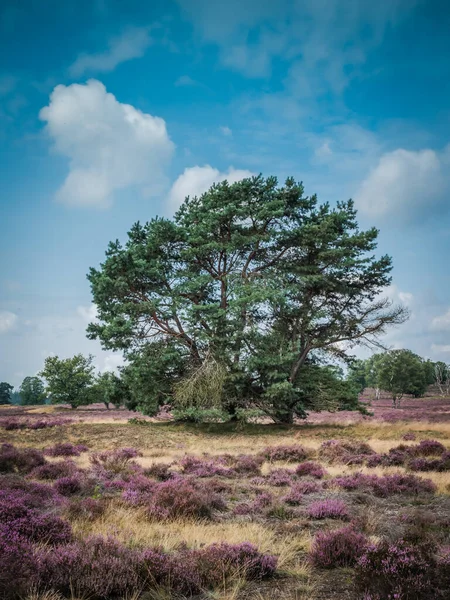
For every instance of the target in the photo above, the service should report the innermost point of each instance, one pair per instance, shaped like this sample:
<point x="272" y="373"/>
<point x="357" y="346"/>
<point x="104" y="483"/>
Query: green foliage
<point x="151" y="374"/>
<point x="108" y="388"/>
<point x="69" y="380"/>
<point x="15" y="398"/>
<point x="200" y="415"/>
<point x="257" y="277"/>
<point x="5" y="392"/>
<point x="400" y="372"/>
<point x="357" y="375"/>
<point x="201" y="388"/>
<point x="32" y="391"/>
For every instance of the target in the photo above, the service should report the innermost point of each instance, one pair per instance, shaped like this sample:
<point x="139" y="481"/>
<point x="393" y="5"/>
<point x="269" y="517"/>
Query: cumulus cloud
<point x="404" y="183"/>
<point x="8" y="321"/>
<point x="194" y="181"/>
<point x="441" y="322"/>
<point x="110" y="145"/>
<point x="131" y="44"/>
<point x="185" y="81"/>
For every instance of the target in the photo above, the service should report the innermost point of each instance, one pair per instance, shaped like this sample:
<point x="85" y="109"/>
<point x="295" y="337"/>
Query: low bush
<point x="299" y="489"/>
<point x="160" y="471"/>
<point x="56" y="470"/>
<point x="19" y="460"/>
<point x="285" y="453"/>
<point x="337" y="548"/>
<point x="192" y="465"/>
<point x="66" y="449"/>
<point x="68" y="486"/>
<point x="280" y="477"/>
<point x="310" y="469"/>
<point x="331" y="508"/>
<point x="87" y="509"/>
<point x="114" y="461"/>
<point x="397" y="570"/>
<point x="387" y="485"/>
<point x="346" y="451"/>
<point x="17" y="564"/>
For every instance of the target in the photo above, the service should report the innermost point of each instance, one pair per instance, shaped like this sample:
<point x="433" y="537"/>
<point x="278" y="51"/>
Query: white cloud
<point x="131" y="44"/>
<point x="398" y="296"/>
<point x="110" y="145"/>
<point x="88" y="313"/>
<point x="439" y="348"/>
<point x="194" y="181"/>
<point x="112" y="362"/>
<point x="442" y="322"/>
<point x="8" y="321"/>
<point x="226" y="131"/>
<point x="404" y="183"/>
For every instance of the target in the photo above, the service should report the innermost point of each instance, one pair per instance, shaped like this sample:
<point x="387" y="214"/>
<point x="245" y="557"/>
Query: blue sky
<point x="112" y="112"/>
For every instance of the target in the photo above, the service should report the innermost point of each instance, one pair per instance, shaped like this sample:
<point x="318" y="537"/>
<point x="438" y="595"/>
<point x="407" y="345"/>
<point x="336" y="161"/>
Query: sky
<point x="113" y="112"/>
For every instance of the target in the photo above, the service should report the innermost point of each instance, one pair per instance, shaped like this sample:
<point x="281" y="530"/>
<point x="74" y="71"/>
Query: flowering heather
<point x="310" y="469"/>
<point x="33" y="494"/>
<point x="429" y="448"/>
<point x="337" y="548"/>
<point x="18" y="460"/>
<point x="280" y="477"/>
<point x="87" y="509"/>
<point x="114" y="461"/>
<point x="387" y="485"/>
<point x="94" y="567"/>
<point x="179" y="498"/>
<point x="14" y="424"/>
<point x="331" y="508"/>
<point x="17" y="563"/>
<point x="285" y="453"/>
<point x="191" y="465"/>
<point x="346" y="452"/>
<point x="245" y="464"/>
<point x="397" y="570"/>
<point x="66" y="449"/>
<point x="297" y="491"/>
<point x="409" y="437"/>
<point x="68" y="486"/>
<point x="160" y="471"/>
<point x="54" y="470"/>
<point x="261" y="502"/>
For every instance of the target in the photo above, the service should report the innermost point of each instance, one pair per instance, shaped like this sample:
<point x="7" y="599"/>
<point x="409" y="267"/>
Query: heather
<point x="188" y="512"/>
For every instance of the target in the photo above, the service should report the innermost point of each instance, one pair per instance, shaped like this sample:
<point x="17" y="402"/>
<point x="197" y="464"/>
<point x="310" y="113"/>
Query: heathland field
<point x="94" y="506"/>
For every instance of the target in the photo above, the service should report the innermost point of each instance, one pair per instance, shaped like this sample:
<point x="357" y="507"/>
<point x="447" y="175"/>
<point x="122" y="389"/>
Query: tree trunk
<point x="285" y="417"/>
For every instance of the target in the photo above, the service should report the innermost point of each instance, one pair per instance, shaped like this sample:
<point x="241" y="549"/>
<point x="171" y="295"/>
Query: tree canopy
<point x="69" y="379"/>
<point x="32" y="391"/>
<point x="5" y="392"/>
<point x="256" y="277"/>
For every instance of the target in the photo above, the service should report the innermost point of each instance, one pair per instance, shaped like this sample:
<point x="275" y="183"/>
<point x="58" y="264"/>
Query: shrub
<point x="159" y="471"/>
<point x="347" y="452"/>
<point x="192" y="465"/>
<point x="15" y="460"/>
<point x="33" y="494"/>
<point x="66" y="449"/>
<point x="338" y="548"/>
<point x="17" y="563"/>
<point x="261" y="502"/>
<point x="245" y="464"/>
<point x="114" y="461"/>
<point x="310" y="469"/>
<point x="94" y="567"/>
<point x="285" y="453"/>
<point x="295" y="495"/>
<point x="220" y="562"/>
<point x="52" y="471"/>
<point x="280" y="477"/>
<point x="68" y="486"/>
<point x="429" y="448"/>
<point x="409" y="437"/>
<point x="87" y="509"/>
<point x="396" y="570"/>
<point x="387" y="485"/>
<point x="180" y="498"/>
<point x="330" y="508"/>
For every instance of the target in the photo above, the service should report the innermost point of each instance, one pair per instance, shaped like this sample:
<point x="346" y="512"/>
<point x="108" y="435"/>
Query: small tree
<point x="442" y="378"/>
<point x="400" y="372"/>
<point x="5" y="392"/>
<point x="108" y="388"/>
<point x="357" y="375"/>
<point x="69" y="379"/>
<point x="32" y="391"/>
